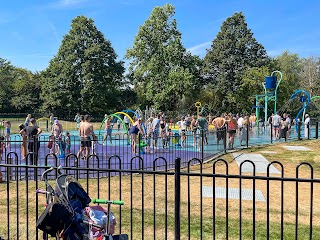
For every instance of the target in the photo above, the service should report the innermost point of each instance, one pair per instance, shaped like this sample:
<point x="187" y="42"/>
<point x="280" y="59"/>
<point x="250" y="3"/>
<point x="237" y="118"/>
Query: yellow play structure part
<point x="131" y="120"/>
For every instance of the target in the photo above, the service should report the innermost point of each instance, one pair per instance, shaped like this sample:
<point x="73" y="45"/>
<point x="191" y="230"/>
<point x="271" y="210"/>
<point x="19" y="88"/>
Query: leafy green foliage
<point x="84" y="75"/>
<point x="232" y="52"/>
<point x="161" y="70"/>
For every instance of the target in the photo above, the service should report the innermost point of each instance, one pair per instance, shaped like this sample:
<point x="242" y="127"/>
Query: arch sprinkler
<point x="305" y="98"/>
<point x="116" y="116"/>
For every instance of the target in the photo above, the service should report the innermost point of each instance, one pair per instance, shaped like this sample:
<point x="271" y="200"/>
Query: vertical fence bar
<point x="317" y="129"/>
<point x="225" y="139"/>
<point x="17" y="204"/>
<point x="247" y="133"/>
<point x="8" y="203"/>
<point x="299" y="130"/>
<point x="27" y="197"/>
<point x="311" y="202"/>
<point x="297" y="201"/>
<point x="254" y="204"/>
<point x="271" y="132"/>
<point x="177" y="198"/>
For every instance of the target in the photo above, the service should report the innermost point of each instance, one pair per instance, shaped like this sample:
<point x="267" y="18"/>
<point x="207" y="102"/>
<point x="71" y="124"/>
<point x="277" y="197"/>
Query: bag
<point x="53" y="219"/>
<point x="76" y="192"/>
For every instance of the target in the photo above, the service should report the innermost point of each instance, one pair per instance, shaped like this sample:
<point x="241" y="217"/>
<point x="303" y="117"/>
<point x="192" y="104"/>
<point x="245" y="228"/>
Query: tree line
<point x="85" y="75"/>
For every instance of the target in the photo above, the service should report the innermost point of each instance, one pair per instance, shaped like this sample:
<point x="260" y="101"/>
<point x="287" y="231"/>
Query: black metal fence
<point x="215" y="200"/>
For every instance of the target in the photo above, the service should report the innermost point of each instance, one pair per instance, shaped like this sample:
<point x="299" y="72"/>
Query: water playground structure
<point x="270" y="87"/>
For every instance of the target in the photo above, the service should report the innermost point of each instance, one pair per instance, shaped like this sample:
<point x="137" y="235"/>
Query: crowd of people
<point x="157" y="128"/>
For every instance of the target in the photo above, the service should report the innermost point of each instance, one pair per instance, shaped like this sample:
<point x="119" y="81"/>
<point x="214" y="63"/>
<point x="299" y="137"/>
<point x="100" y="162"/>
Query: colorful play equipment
<point x="304" y="97"/>
<point x="198" y="106"/>
<point x="141" y="145"/>
<point x="270" y="87"/>
<point x="313" y="100"/>
<point x="138" y="115"/>
<point x="120" y="119"/>
<point x="126" y="114"/>
<point x="46" y="120"/>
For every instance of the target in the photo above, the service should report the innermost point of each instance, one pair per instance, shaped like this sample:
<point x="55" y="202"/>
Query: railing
<point x="204" y="201"/>
<point x="204" y="145"/>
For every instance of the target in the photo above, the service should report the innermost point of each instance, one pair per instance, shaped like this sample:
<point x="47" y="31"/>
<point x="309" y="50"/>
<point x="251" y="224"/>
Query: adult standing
<point x="108" y="130"/>
<point x="307" y="126"/>
<point x="24" y="139"/>
<point x="240" y="121"/>
<point x="155" y="128"/>
<point x="232" y="129"/>
<point x="85" y="132"/>
<point x="276" y="124"/>
<point x="244" y="130"/>
<point x="134" y="134"/>
<point x="27" y="121"/>
<point x="219" y="125"/>
<point x="202" y="124"/>
<point x="33" y="132"/>
<point x="126" y="121"/>
<point x="57" y="131"/>
<point x="77" y="119"/>
<point x="51" y="119"/>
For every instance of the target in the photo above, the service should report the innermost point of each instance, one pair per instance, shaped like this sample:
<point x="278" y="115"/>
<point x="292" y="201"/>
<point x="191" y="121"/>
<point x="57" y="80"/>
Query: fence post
<point x="271" y="132"/>
<point x="317" y="128"/>
<point x="177" y="198"/>
<point x="299" y="130"/>
<point x="308" y="127"/>
<point x="225" y="138"/>
<point x="247" y="140"/>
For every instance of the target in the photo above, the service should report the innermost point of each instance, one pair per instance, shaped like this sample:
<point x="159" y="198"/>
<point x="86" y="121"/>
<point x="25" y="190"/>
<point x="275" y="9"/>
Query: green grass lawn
<point x="289" y="159"/>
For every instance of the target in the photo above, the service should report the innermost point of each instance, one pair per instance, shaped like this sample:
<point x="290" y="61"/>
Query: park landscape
<point x="161" y="75"/>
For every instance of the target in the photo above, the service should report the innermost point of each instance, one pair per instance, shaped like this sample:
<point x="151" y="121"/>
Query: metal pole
<point x="299" y="130"/>
<point x="317" y="129"/>
<point x="275" y="91"/>
<point x="177" y="199"/>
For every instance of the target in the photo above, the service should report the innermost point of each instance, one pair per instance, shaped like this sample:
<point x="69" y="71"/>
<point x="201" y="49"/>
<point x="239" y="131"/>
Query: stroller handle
<point x="46" y="172"/>
<point x="116" y="202"/>
<point x="44" y="192"/>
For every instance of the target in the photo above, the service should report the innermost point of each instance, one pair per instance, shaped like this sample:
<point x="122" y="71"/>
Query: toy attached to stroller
<point x="68" y="215"/>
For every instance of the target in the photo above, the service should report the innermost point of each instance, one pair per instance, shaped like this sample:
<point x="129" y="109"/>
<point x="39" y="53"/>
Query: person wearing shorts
<point x="85" y="132"/>
<point x="276" y="123"/>
<point x="219" y="125"/>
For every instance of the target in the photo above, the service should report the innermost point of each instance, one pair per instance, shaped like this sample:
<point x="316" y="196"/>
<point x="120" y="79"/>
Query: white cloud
<point x="69" y="3"/>
<point x="54" y="32"/>
<point x="200" y="49"/>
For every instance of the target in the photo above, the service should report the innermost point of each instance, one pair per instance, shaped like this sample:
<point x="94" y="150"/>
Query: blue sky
<point x="32" y="30"/>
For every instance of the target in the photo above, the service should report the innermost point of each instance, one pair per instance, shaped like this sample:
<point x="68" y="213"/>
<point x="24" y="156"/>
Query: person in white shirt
<point x="276" y="123"/>
<point x="155" y="128"/>
<point x="240" y="121"/>
<point x="307" y="126"/>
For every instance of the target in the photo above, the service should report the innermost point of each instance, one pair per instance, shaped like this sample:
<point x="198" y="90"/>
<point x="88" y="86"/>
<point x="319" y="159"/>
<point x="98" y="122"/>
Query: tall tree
<point x="84" y="75"/>
<point x="6" y="76"/>
<point x="310" y="75"/>
<point x="232" y="52"/>
<point x="26" y="88"/>
<point x="161" y="69"/>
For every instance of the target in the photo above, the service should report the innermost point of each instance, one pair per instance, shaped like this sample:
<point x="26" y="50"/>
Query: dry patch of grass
<point x="147" y="197"/>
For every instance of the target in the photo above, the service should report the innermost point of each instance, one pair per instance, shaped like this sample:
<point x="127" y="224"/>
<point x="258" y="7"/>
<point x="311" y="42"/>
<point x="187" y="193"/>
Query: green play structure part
<point x="116" y="116"/>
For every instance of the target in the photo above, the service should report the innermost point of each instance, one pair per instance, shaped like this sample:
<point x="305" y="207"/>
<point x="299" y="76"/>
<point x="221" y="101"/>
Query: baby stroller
<point x="64" y="216"/>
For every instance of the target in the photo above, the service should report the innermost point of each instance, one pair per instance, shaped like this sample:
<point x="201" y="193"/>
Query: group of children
<point x="58" y="145"/>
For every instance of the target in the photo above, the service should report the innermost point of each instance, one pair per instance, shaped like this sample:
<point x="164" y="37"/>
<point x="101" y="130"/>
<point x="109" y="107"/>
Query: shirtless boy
<point x="85" y="132"/>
